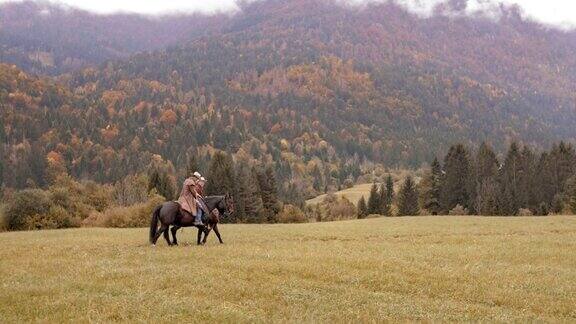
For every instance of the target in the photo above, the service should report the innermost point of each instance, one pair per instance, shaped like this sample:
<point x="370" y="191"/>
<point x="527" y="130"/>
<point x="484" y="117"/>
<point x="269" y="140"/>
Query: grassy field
<point x="412" y="268"/>
<point x="353" y="194"/>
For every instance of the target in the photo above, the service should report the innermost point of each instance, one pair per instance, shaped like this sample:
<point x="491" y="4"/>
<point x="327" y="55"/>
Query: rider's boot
<point x="198" y="220"/>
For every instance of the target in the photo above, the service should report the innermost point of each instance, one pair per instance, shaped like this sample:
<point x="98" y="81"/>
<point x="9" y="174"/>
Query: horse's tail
<point x="154" y="223"/>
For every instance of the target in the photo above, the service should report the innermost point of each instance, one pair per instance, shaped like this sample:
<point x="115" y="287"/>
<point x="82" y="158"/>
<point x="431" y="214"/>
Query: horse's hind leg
<point x="167" y="236"/>
<point x="163" y="229"/>
<point x="174" y="230"/>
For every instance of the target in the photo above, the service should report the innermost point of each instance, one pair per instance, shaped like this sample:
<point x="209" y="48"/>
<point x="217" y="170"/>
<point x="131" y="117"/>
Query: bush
<point x="525" y="212"/>
<point x="56" y="217"/>
<point x="334" y="208"/>
<point x="137" y="215"/>
<point x="3" y="220"/>
<point x="70" y="201"/>
<point x="291" y="214"/>
<point x="24" y="207"/>
<point x="458" y="211"/>
<point x="543" y="209"/>
<point x="131" y="190"/>
<point x="97" y="196"/>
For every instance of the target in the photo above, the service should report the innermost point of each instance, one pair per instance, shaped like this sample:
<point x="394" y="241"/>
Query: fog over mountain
<point x="559" y="13"/>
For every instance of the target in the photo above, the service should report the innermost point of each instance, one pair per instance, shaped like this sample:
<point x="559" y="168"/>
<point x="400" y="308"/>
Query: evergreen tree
<point x="510" y="181"/>
<point x="317" y="176"/>
<point x="408" y="198"/>
<point x="563" y="164"/>
<point x="455" y="184"/>
<point x="389" y="190"/>
<point x="220" y="175"/>
<point x="572" y="196"/>
<point x="269" y="193"/>
<point x="544" y="188"/>
<point x="362" y="208"/>
<point x="192" y="165"/>
<point x="431" y="187"/>
<point x="374" y="200"/>
<point x="160" y="179"/>
<point x="487" y="187"/>
<point x="383" y="201"/>
<point x="248" y="202"/>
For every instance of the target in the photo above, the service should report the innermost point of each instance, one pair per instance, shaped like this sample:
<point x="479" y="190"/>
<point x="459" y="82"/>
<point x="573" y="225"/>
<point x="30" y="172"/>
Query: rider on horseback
<point x="190" y="199"/>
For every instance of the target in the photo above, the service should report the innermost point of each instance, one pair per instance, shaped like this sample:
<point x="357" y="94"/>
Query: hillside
<point x="317" y="89"/>
<point x="387" y="269"/>
<point x="46" y="38"/>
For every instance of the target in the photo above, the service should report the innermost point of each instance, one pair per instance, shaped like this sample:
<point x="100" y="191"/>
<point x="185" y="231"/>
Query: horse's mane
<point x="213" y="201"/>
<point x="212" y="198"/>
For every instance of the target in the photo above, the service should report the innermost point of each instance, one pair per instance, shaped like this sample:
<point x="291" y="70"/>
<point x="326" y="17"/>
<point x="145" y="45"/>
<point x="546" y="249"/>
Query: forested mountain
<point x="46" y="38"/>
<point x="313" y="88"/>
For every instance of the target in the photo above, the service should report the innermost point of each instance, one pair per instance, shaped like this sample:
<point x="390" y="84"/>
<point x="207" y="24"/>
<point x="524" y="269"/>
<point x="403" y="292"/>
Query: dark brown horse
<point x="169" y="214"/>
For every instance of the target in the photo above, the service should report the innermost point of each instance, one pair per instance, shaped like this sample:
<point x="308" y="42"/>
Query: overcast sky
<point x="558" y="12"/>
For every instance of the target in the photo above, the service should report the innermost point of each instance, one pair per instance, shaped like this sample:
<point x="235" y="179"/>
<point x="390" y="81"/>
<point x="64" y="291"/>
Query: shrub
<point x="137" y="215"/>
<point x="56" y="217"/>
<point x="458" y="211"/>
<point x="24" y="207"/>
<point x="97" y="196"/>
<point x="291" y="214"/>
<point x="557" y="204"/>
<point x="131" y="190"/>
<point x="334" y="208"/>
<point x="70" y="201"/>
<point x="543" y="209"/>
<point x="3" y="220"/>
<point x="525" y="212"/>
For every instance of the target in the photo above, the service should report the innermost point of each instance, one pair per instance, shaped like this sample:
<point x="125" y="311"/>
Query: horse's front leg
<point x="217" y="233"/>
<point x="199" y="236"/>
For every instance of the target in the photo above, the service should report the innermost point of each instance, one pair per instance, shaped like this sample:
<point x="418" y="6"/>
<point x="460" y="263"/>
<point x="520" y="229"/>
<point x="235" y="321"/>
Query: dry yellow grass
<point x="413" y="268"/>
<point x="352" y="194"/>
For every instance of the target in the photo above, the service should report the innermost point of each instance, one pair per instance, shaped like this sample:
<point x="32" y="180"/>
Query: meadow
<point x="353" y="194"/>
<point x="396" y="269"/>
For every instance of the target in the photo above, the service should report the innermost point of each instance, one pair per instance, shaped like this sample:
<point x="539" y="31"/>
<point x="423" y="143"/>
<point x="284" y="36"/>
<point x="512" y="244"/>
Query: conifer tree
<point x="572" y="201"/>
<point x="269" y="193"/>
<point x="455" y="184"/>
<point x="192" y="165"/>
<point x="248" y="201"/>
<point x="510" y="181"/>
<point x="220" y="175"/>
<point x="431" y="188"/>
<point x="408" y="198"/>
<point x="487" y="187"/>
<point x="160" y="179"/>
<point x="362" y="208"/>
<point x="383" y="201"/>
<point x="389" y="189"/>
<point x="374" y="200"/>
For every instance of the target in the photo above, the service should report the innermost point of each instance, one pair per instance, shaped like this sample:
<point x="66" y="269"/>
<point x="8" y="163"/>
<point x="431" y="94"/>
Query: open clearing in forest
<point x="353" y="194"/>
<point x="411" y="268"/>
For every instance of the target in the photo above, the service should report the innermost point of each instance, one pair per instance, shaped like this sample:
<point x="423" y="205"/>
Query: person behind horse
<point x="190" y="200"/>
<point x="202" y="208"/>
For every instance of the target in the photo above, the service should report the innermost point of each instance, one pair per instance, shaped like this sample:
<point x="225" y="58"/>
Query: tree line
<point x="479" y="183"/>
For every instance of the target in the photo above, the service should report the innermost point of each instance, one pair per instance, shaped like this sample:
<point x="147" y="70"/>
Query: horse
<point x="169" y="214"/>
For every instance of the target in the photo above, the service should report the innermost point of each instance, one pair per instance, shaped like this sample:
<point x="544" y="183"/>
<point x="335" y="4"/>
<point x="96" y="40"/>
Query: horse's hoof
<point x="153" y="245"/>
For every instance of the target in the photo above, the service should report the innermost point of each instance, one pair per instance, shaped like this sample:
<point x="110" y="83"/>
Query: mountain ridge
<point x="313" y="88"/>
